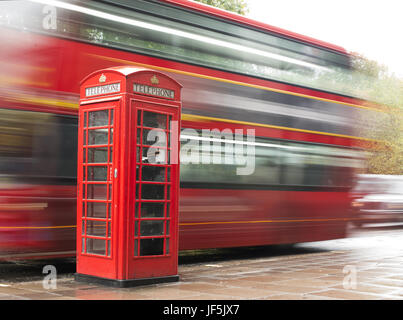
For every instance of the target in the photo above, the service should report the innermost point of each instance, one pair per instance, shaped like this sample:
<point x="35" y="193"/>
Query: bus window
<point x="36" y="147"/>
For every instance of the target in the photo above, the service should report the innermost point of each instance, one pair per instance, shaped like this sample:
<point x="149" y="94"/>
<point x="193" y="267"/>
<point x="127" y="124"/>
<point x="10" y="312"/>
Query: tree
<point x="385" y="88"/>
<point x="237" y="6"/>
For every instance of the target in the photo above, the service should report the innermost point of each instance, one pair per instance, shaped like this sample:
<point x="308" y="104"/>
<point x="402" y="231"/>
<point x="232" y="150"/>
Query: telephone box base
<point x="124" y="283"/>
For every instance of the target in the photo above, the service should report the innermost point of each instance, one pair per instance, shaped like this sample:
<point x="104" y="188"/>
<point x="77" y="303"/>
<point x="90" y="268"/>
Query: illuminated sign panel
<point x="154" y="91"/>
<point x="105" y="89"/>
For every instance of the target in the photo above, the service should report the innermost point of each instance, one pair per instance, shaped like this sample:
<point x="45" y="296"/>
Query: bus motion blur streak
<point x="237" y="74"/>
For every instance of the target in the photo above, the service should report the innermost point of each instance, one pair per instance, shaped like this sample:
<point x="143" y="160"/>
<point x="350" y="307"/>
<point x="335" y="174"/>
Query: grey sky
<point x="371" y="27"/>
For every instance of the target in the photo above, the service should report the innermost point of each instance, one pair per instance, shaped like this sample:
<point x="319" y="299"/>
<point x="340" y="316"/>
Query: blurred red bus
<point x="238" y="74"/>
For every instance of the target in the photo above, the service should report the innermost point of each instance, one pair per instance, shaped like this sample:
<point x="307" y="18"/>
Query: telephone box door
<point x="155" y="174"/>
<point x="97" y="157"/>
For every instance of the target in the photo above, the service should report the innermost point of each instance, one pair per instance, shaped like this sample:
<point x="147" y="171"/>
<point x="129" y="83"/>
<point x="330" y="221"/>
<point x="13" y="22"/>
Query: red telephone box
<point x="128" y="177"/>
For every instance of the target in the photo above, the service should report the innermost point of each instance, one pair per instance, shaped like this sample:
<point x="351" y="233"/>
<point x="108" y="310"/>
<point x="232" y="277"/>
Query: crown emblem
<point x="154" y="80"/>
<point x="102" y="78"/>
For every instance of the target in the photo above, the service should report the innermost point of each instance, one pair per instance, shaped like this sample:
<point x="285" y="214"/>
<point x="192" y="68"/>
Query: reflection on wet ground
<point x="365" y="266"/>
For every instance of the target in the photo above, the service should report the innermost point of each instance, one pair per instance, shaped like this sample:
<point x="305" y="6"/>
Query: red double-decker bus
<point x="295" y="92"/>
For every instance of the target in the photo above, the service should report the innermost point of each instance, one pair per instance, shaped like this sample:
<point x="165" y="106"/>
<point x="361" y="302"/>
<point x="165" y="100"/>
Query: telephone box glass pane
<point x="154" y="137"/>
<point x="97" y="174"/>
<point x="96" y="191"/>
<point x="152" y="191"/>
<point x="152" y="228"/>
<point x="97" y="155"/>
<point x="96" y="246"/>
<point x="153" y="173"/>
<point x="96" y="228"/>
<point x="152" y="210"/>
<point x="151" y="247"/>
<point x="154" y="120"/>
<point x="97" y="137"/>
<point x="154" y="155"/>
<point x="98" y="118"/>
<point x="96" y="210"/>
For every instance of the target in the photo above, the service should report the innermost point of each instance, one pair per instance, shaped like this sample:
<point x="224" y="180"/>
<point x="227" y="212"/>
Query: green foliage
<point x="237" y="6"/>
<point x="387" y="89"/>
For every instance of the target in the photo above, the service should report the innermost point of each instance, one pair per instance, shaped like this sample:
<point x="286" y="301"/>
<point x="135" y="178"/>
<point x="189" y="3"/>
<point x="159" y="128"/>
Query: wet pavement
<point x="366" y="266"/>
